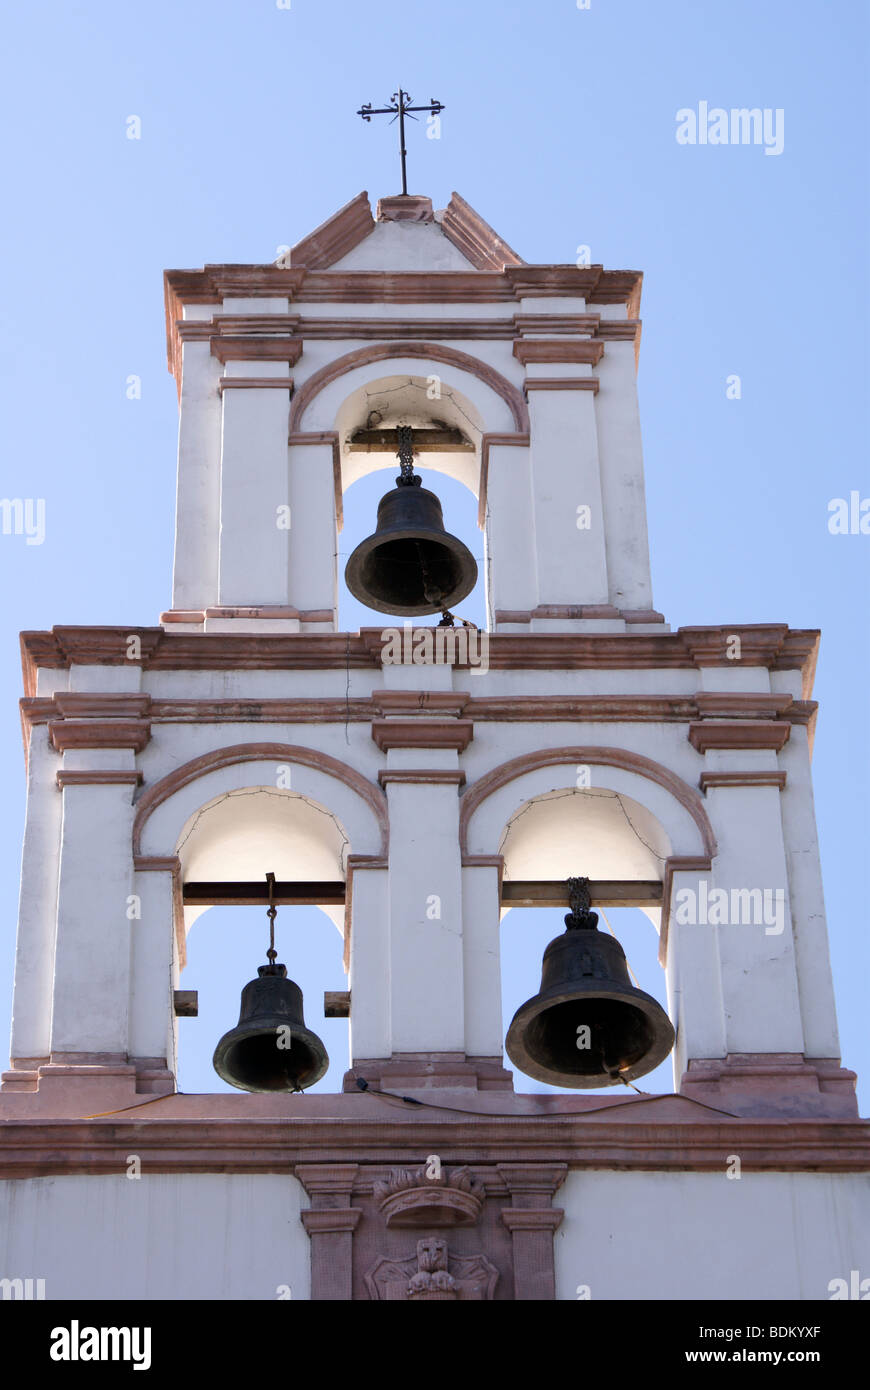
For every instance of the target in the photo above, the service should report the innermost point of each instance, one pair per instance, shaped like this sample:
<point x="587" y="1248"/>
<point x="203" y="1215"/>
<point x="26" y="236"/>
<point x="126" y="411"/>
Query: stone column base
<point x="780" y="1084"/>
<point x="81" y="1084"/>
<point x="415" y="1071"/>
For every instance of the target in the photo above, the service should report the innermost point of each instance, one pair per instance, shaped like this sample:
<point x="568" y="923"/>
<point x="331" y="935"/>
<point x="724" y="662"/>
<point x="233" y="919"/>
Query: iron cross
<point x="400" y="108"/>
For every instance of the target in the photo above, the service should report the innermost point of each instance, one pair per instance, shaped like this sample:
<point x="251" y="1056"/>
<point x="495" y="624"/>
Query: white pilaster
<point x="254" y="485"/>
<point x="571" y="562"/>
<point x="92" y="958"/>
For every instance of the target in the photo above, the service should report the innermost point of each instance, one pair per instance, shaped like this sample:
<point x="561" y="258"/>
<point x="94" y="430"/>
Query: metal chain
<point x="405" y="455"/>
<point x="271" y="913"/>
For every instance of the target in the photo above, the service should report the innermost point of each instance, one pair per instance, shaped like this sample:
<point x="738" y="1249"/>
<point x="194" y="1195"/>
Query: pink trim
<point x="415" y="702"/>
<point x="98" y="778"/>
<point x="99" y="733"/>
<point x="604" y="757"/>
<point x="597" y="709"/>
<point x="520" y="441"/>
<point x="161" y="864"/>
<point x="435" y="776"/>
<point x="405" y="207"/>
<point x="743" y="779"/>
<point x="258" y="752"/>
<point x="255" y="383"/>
<point x="335" y="237"/>
<point x="422" y="733"/>
<point x="587" y="351"/>
<point x="742" y="733"/>
<point x="772" y="646"/>
<point x="252" y="347"/>
<point x="779" y="1083"/>
<point x="561" y="383"/>
<point x="326" y="437"/>
<point x="112" y="705"/>
<point x="381" y="352"/>
<point x="476" y="239"/>
<point x="262" y="610"/>
<point x="356" y="863"/>
<point x="678" y="863"/>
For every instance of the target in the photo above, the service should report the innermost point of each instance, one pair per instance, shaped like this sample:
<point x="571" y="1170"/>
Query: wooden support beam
<point x="323" y="893"/>
<point x="604" y="893"/>
<point x="425" y="442"/>
<point x="516" y="893"/>
<point x="336" y="1003"/>
<point x="186" y="1003"/>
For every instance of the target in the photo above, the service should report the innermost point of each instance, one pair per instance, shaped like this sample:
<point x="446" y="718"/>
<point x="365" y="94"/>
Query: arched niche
<point x="494" y="799"/>
<point x="426" y="385"/>
<point x="225" y="813"/>
<point x="244" y="833"/>
<point x="395" y="400"/>
<point x="595" y="832"/>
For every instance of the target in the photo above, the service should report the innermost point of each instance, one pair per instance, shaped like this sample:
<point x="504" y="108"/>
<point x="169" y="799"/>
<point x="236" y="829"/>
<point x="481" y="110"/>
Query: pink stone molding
<point x="258" y="752"/>
<point x="405" y="207"/>
<point x="422" y="733"/>
<point x="561" y="383"/>
<point x="330" y="437"/>
<point x="677" y="863"/>
<point x="356" y="863"/>
<point x="517" y="441"/>
<point x="773" y="1083"/>
<point x="281" y="1134"/>
<point x="659" y="709"/>
<point x="256" y="347"/>
<point x="162" y="864"/>
<point x="476" y="239"/>
<point x="99" y="733"/>
<point x="74" y="704"/>
<point x="771" y="646"/>
<point x="428" y="1071"/>
<point x="382" y="352"/>
<point x="282" y="612"/>
<point x="499" y="776"/>
<point x="335" y="237"/>
<point x="434" y="776"/>
<point x="742" y="733"/>
<point x="255" y="383"/>
<point x="743" y="779"/>
<point x="587" y="351"/>
<point x="99" y="777"/>
<point x="410" y="1198"/>
<point x="400" y="703"/>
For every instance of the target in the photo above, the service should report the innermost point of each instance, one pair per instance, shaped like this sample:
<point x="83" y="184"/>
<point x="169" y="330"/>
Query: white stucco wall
<point x="165" y="1236"/>
<point x="703" y="1235"/>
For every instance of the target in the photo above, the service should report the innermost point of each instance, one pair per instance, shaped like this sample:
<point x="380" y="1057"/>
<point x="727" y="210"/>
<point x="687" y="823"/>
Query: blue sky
<point x="560" y="129"/>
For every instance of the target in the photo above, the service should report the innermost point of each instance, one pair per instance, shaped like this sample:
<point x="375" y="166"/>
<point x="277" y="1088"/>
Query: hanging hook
<point x="580" y="917"/>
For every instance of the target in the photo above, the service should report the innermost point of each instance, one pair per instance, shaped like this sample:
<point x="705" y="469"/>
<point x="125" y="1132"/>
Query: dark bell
<point x="411" y="565"/>
<point x="270" y="1049"/>
<point x="585" y="984"/>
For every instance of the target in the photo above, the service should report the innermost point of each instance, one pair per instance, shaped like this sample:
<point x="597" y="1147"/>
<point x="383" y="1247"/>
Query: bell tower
<point x="418" y="778"/>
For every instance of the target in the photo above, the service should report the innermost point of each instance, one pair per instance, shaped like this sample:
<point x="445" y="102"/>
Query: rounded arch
<point x="365" y="813"/>
<point x="436" y="352"/>
<point x="682" y="806"/>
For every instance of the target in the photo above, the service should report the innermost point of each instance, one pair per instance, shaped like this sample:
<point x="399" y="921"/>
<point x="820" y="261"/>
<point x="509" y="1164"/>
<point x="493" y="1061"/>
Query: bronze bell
<point x="588" y="1026"/>
<point x="270" y="1049"/>
<point x="410" y="565"/>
